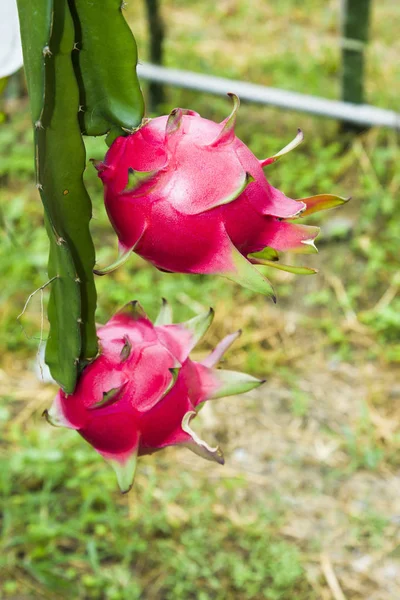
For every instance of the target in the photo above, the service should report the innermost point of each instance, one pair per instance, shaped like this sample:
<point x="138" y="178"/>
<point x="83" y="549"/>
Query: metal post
<point x="156" y="35"/>
<point x="355" y="23"/>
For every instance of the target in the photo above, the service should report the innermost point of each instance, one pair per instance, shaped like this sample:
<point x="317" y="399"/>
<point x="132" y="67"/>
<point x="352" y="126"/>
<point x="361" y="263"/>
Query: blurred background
<point x="307" y="505"/>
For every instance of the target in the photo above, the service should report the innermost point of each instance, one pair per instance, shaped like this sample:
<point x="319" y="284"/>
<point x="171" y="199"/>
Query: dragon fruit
<point x="186" y="194"/>
<point x="142" y="391"/>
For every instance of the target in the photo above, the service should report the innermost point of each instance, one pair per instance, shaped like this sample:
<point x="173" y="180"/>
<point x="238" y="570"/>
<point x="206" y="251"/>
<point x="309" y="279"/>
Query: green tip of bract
<point x="293" y="144"/>
<point x="126" y="349"/>
<point x="165" y="316"/>
<point x="55" y="417"/>
<point x="109" y="398"/>
<point x="322" y="202"/>
<point x="174" y="376"/>
<point x="199" y="325"/>
<point x="125" y="471"/>
<point x="266" y="254"/>
<point x="133" y="309"/>
<point x="199" y="446"/>
<point x="137" y="178"/>
<point x="288" y="268"/>
<point x="227" y="133"/>
<point x="49" y="419"/>
<point x="232" y="383"/>
<point x="174" y="121"/>
<point x="247" y="275"/>
<point x="246" y="179"/>
<point x="122" y="258"/>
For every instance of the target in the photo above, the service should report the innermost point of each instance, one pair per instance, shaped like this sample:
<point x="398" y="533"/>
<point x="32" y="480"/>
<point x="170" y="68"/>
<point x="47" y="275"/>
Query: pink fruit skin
<point x="200" y="198"/>
<point x="139" y="395"/>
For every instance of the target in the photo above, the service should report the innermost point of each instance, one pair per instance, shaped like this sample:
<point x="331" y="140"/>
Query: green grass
<point x="190" y="531"/>
<point x="66" y="531"/>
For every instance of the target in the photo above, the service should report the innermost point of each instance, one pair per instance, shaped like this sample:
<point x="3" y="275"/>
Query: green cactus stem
<point x="105" y="65"/>
<point x="48" y="38"/>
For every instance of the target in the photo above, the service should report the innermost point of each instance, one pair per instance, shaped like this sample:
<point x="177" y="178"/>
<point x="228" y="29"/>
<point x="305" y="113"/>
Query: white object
<point x="42" y="371"/>
<point x="10" y="38"/>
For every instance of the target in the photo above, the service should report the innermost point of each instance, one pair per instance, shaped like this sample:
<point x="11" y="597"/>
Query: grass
<point x="94" y="543"/>
<point x="310" y="484"/>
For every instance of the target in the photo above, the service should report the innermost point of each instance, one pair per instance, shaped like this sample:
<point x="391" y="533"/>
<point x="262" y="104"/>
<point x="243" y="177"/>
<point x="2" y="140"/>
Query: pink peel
<point x="143" y="391"/>
<point x="197" y="192"/>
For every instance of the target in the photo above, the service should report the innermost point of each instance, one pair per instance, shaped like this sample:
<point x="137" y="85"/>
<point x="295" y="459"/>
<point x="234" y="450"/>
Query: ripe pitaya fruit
<point x="142" y="392"/>
<point x="186" y="194"/>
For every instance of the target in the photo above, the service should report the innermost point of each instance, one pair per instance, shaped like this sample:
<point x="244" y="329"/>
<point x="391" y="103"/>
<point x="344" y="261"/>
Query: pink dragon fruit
<point x="143" y="390"/>
<point x="186" y="194"/>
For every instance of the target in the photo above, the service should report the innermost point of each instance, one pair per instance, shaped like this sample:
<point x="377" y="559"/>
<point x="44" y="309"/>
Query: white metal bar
<point x="362" y="114"/>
